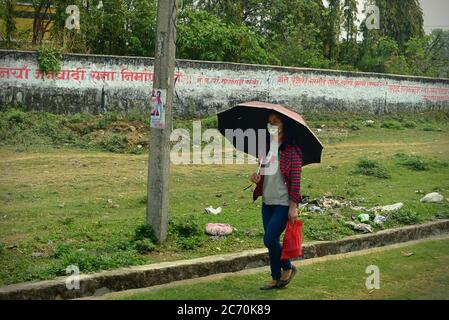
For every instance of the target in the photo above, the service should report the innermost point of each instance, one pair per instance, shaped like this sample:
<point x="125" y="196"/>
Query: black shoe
<point x="283" y="283"/>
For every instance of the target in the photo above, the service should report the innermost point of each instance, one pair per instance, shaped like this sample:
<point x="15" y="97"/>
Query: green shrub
<point x="410" y="124"/>
<point x="185" y="228"/>
<point x="371" y="168"/>
<point x="406" y="216"/>
<point x="189" y="243"/>
<point x="49" y="59"/>
<point x="124" y="245"/>
<point x="114" y="143"/>
<point x="391" y="124"/>
<point x="15" y="117"/>
<point x="144" y="231"/>
<point x="144" y="246"/>
<point x="187" y="232"/>
<point x="412" y="162"/>
<point x="106" y="119"/>
<point x="354" y="127"/>
<point x="62" y="249"/>
<point x="209" y="123"/>
<point x="80" y="118"/>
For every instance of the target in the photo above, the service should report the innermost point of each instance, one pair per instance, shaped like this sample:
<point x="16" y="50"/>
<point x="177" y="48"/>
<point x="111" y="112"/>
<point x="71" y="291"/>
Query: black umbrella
<point x="254" y="115"/>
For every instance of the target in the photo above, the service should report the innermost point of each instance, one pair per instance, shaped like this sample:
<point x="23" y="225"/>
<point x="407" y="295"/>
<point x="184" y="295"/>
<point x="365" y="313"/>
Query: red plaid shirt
<point x="291" y="169"/>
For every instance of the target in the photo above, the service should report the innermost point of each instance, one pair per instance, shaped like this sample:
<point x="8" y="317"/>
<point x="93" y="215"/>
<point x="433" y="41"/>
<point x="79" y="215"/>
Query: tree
<point x="332" y="29"/>
<point x="384" y="56"/>
<point x="295" y="32"/>
<point x="202" y="36"/>
<point x="349" y="50"/>
<point x="86" y="38"/>
<point x="141" y="21"/>
<point x="300" y="33"/>
<point x="41" y="21"/>
<point x="429" y="55"/>
<point x="10" y="22"/>
<point x="237" y="12"/>
<point x="401" y="20"/>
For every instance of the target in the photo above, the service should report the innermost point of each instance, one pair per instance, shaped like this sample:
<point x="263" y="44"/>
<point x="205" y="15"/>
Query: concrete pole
<point x="159" y="158"/>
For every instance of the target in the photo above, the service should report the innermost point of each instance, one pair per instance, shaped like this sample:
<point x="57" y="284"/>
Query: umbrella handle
<point x="258" y="171"/>
<point x="260" y="165"/>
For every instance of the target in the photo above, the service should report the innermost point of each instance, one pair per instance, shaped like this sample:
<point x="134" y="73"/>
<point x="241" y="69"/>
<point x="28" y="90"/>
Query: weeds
<point x="371" y="168"/>
<point x="391" y="124"/>
<point x="412" y="162"/>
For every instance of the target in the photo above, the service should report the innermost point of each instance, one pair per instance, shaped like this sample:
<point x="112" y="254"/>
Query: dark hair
<point x="288" y="129"/>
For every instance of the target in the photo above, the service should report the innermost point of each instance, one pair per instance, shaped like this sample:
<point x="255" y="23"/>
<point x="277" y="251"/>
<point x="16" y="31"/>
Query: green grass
<point x="423" y="275"/>
<point x="57" y="189"/>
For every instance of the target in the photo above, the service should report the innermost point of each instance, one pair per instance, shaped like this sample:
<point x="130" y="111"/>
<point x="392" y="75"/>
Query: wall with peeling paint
<point x="96" y="84"/>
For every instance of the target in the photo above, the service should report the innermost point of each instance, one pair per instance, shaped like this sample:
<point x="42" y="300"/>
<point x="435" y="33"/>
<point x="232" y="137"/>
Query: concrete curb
<point x="156" y="274"/>
<point x="120" y="295"/>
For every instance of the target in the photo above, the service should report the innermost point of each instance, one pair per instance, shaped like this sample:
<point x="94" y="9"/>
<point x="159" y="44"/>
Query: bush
<point x="391" y="124"/>
<point x="189" y="243"/>
<point x="406" y="216"/>
<point x="49" y="59"/>
<point x="144" y="246"/>
<point x="209" y="123"/>
<point x="144" y="231"/>
<point x="410" y="125"/>
<point x="123" y="245"/>
<point x="186" y="228"/>
<point x="107" y="119"/>
<point x="62" y="250"/>
<point x="114" y="143"/>
<point x="371" y="168"/>
<point x="354" y="127"/>
<point x="412" y="162"/>
<point x="15" y="117"/>
<point x="187" y="232"/>
<point x="80" y="118"/>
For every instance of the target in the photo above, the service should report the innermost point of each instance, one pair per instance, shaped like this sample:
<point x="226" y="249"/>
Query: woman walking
<point x="280" y="193"/>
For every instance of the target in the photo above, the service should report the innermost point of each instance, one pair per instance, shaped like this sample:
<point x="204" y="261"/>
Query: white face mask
<point x="272" y="129"/>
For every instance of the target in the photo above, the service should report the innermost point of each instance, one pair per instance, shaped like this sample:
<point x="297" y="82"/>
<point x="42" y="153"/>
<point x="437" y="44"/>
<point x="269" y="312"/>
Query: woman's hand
<point x="255" y="178"/>
<point x="292" y="212"/>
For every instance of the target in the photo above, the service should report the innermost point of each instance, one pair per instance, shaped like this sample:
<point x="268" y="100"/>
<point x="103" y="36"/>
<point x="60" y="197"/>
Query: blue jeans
<point x="275" y="219"/>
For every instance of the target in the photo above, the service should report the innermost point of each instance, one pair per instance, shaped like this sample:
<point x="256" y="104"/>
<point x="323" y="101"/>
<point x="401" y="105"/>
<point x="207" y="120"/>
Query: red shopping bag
<point x="292" y="243"/>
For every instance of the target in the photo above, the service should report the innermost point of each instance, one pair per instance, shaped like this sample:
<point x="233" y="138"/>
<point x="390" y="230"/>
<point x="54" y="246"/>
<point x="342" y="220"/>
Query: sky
<point x="435" y="14"/>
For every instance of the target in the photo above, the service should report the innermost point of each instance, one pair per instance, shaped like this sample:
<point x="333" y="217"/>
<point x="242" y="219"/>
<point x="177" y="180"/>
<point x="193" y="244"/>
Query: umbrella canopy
<point x="254" y="115"/>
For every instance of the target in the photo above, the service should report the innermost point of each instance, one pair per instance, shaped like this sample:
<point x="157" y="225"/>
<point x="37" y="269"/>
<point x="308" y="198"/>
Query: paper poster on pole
<point x="158" y="99"/>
